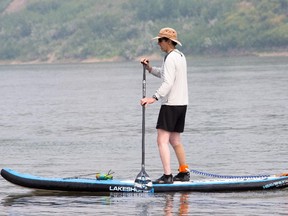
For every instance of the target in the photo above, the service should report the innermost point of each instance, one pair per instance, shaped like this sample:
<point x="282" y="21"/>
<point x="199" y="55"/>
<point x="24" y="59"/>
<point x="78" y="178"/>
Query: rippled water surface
<point x="77" y="119"/>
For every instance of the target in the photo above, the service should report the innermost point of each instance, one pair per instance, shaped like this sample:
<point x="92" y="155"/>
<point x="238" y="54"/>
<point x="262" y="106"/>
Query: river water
<point x="78" y="119"/>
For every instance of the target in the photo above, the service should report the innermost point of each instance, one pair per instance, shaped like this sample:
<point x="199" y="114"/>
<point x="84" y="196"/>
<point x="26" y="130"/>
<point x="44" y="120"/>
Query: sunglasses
<point x="161" y="39"/>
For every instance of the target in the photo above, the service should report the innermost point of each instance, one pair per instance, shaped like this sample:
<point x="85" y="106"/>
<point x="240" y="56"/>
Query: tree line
<point x="72" y="29"/>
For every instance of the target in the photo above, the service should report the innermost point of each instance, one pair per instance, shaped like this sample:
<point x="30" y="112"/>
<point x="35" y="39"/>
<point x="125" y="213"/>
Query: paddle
<point x="143" y="181"/>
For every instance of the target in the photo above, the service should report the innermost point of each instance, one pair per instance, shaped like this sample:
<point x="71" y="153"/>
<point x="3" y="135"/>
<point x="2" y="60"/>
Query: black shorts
<point x="172" y="118"/>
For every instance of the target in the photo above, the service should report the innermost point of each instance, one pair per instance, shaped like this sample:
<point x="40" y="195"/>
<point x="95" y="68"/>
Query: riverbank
<point x="153" y="57"/>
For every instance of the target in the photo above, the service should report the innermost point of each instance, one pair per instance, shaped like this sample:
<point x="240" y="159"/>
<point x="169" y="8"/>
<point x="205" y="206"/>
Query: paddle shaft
<point x="143" y="181"/>
<point x="143" y="117"/>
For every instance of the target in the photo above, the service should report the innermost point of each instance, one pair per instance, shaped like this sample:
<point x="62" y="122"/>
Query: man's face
<point x="164" y="45"/>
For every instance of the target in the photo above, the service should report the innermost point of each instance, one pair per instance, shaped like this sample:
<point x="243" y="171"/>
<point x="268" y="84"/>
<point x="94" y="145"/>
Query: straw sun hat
<point x="168" y="33"/>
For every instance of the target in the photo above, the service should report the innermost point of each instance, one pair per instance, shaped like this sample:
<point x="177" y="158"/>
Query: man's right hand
<point x="145" y="62"/>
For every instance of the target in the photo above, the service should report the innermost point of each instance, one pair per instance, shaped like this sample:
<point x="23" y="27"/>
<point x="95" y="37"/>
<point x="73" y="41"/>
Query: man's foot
<point x="165" y="179"/>
<point x="182" y="176"/>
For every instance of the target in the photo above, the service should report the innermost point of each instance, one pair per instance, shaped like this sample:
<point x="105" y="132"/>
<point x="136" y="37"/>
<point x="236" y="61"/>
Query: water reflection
<point x="17" y="199"/>
<point x="181" y="209"/>
<point x="167" y="204"/>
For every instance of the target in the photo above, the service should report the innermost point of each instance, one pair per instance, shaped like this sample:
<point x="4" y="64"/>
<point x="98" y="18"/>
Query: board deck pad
<point x="112" y="185"/>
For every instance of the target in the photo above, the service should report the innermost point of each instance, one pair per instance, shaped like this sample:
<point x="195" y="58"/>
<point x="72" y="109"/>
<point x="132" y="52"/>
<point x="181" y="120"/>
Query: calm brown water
<point x="70" y="120"/>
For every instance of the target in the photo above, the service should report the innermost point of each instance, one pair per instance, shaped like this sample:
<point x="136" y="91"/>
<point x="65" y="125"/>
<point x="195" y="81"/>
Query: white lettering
<point x="123" y="189"/>
<point x="128" y="189"/>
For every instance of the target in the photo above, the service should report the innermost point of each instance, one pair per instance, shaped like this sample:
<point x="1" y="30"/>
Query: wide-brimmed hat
<point x="168" y="33"/>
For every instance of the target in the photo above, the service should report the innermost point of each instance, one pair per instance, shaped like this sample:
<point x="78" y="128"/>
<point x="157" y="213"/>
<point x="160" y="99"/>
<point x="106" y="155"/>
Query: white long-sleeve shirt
<point x="174" y="88"/>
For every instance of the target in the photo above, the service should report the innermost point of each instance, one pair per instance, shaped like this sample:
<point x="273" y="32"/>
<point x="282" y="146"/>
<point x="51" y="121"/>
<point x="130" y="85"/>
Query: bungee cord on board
<point x="228" y="176"/>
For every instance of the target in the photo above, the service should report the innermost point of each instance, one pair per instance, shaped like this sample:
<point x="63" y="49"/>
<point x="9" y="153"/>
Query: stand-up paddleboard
<point x="75" y="184"/>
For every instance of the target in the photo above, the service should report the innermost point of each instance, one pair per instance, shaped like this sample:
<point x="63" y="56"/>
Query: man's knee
<point x="175" y="139"/>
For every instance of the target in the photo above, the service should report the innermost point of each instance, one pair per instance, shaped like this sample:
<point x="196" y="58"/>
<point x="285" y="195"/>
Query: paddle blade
<point x="143" y="181"/>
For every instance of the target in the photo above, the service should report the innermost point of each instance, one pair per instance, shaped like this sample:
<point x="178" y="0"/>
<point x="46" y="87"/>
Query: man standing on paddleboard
<point x="173" y="93"/>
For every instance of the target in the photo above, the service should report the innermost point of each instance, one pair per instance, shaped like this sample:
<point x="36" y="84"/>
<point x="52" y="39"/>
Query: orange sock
<point x="183" y="168"/>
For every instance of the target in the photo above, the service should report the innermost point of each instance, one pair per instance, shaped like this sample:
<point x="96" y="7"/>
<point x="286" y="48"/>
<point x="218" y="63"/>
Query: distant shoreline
<point x="154" y="57"/>
<point x="272" y="54"/>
